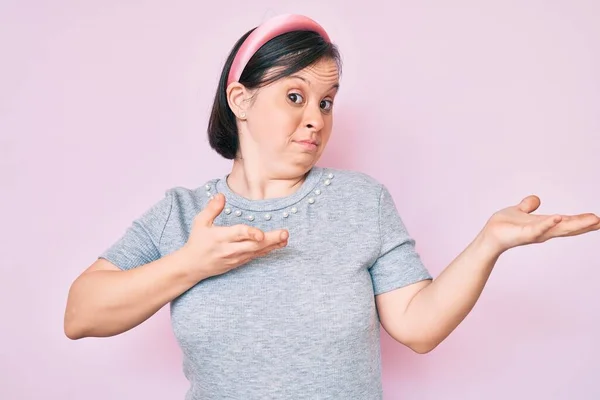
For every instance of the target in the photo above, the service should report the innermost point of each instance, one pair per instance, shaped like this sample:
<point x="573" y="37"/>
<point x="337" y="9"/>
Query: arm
<point x="422" y="315"/>
<point x="106" y="301"/>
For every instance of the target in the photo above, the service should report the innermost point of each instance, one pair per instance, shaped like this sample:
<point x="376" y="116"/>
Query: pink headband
<point x="267" y="31"/>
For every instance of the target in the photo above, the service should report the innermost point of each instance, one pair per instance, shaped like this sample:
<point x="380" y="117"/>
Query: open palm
<point x="516" y="226"/>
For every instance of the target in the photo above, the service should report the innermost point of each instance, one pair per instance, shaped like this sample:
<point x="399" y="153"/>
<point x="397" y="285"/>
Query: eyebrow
<point x="335" y="86"/>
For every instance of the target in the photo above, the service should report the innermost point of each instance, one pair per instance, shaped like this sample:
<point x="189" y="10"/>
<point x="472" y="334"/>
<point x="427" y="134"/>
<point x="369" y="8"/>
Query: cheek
<point x="326" y="131"/>
<point x="272" y="132"/>
<point x="328" y="127"/>
<point x="277" y="123"/>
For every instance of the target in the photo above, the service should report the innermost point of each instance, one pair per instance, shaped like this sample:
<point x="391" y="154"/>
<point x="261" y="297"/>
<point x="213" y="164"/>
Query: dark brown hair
<point x="289" y="53"/>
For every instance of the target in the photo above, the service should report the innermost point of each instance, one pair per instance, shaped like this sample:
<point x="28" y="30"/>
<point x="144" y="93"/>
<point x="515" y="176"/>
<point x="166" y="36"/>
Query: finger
<point x="213" y="208"/>
<point x="582" y="231"/>
<point x="241" y="232"/>
<point x="275" y="237"/>
<point x="263" y="251"/>
<point x="577" y="225"/>
<point x="588" y="218"/>
<point x="594" y="227"/>
<point x="529" y="204"/>
<point x="272" y="238"/>
<point x="269" y="249"/>
<point x="548" y="223"/>
<point x="244" y="250"/>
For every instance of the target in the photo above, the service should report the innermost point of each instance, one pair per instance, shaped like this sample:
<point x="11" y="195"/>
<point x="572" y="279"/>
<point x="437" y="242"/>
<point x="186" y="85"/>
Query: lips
<point x="313" y="142"/>
<point x="310" y="145"/>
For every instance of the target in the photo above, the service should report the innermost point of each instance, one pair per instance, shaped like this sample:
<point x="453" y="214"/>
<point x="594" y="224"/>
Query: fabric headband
<point x="266" y="31"/>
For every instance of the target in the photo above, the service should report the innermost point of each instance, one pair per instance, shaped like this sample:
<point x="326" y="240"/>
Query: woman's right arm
<point x="106" y="301"/>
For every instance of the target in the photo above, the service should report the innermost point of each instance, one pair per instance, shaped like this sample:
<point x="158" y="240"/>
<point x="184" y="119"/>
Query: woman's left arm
<point x="423" y="314"/>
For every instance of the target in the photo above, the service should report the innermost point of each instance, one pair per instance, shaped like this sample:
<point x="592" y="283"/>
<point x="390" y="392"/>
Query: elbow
<point x="423" y="347"/>
<point x="418" y="345"/>
<point x="72" y="334"/>
<point x="74" y="326"/>
<point x="73" y="330"/>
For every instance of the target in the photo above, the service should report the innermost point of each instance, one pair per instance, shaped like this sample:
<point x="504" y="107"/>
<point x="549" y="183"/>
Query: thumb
<point x="213" y="208"/>
<point x="529" y="204"/>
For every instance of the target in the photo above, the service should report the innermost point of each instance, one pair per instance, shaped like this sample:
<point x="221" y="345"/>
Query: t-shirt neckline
<point x="312" y="179"/>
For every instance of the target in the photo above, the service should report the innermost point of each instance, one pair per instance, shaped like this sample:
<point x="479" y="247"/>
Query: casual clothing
<point x="301" y="322"/>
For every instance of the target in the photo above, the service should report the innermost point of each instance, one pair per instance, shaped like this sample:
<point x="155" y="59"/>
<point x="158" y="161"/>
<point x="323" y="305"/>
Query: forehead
<point x="324" y="73"/>
<point x="324" y="70"/>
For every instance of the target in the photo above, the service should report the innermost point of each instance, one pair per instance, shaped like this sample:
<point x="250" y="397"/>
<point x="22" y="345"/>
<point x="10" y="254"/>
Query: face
<point x="289" y="122"/>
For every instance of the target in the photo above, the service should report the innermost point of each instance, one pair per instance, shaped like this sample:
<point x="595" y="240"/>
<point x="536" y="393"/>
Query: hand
<point x="516" y="226"/>
<point x="215" y="250"/>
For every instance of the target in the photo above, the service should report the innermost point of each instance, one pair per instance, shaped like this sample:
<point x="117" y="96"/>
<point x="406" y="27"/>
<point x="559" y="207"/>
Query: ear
<point x="236" y="98"/>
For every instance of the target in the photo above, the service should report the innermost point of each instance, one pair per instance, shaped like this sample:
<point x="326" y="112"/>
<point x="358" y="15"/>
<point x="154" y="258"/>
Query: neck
<point x="255" y="182"/>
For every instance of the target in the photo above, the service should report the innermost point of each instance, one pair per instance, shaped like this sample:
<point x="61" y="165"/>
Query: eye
<point x="296" y="98"/>
<point x="326" y="105"/>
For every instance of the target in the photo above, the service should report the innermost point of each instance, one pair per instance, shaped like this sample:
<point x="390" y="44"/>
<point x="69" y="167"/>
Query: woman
<point x="279" y="273"/>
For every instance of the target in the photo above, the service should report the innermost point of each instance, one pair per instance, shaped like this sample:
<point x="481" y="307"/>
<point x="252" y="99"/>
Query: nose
<point x="314" y="118"/>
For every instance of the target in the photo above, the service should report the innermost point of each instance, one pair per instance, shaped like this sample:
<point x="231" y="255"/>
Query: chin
<point x="297" y="167"/>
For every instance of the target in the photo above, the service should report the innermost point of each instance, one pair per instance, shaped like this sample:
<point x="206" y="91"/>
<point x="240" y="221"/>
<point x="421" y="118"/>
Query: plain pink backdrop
<point x="461" y="108"/>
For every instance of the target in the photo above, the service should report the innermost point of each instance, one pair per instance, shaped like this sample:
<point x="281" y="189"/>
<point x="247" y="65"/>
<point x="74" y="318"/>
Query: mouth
<point x="308" y="144"/>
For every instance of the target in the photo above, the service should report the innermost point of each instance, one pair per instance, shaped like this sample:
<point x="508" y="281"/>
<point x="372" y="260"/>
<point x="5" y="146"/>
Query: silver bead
<point x="207" y="187"/>
<point x="330" y="176"/>
<point x="327" y="182"/>
<point x="238" y="213"/>
<point x="311" y="200"/>
<point x="228" y="211"/>
<point x="318" y="192"/>
<point x="294" y="210"/>
<point x="268" y="217"/>
<point x="208" y="194"/>
<point x="285" y="215"/>
<point x="250" y="218"/>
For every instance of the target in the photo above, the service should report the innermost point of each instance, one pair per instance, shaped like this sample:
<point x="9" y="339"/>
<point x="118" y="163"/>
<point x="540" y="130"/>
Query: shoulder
<point x="190" y="199"/>
<point x="352" y="181"/>
<point x="356" y="193"/>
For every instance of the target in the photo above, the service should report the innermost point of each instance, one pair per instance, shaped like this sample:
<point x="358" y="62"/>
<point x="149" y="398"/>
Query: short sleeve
<point x="398" y="263"/>
<point x="140" y="243"/>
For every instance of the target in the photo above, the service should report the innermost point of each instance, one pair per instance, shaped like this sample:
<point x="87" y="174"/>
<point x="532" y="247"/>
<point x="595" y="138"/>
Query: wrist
<point x="187" y="265"/>
<point x="487" y="244"/>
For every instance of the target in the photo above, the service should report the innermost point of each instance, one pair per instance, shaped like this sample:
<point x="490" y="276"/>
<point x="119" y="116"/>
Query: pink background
<point x="460" y="109"/>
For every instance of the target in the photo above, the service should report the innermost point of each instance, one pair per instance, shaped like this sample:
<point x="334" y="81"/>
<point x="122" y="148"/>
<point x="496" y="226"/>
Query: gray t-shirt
<point x="301" y="322"/>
